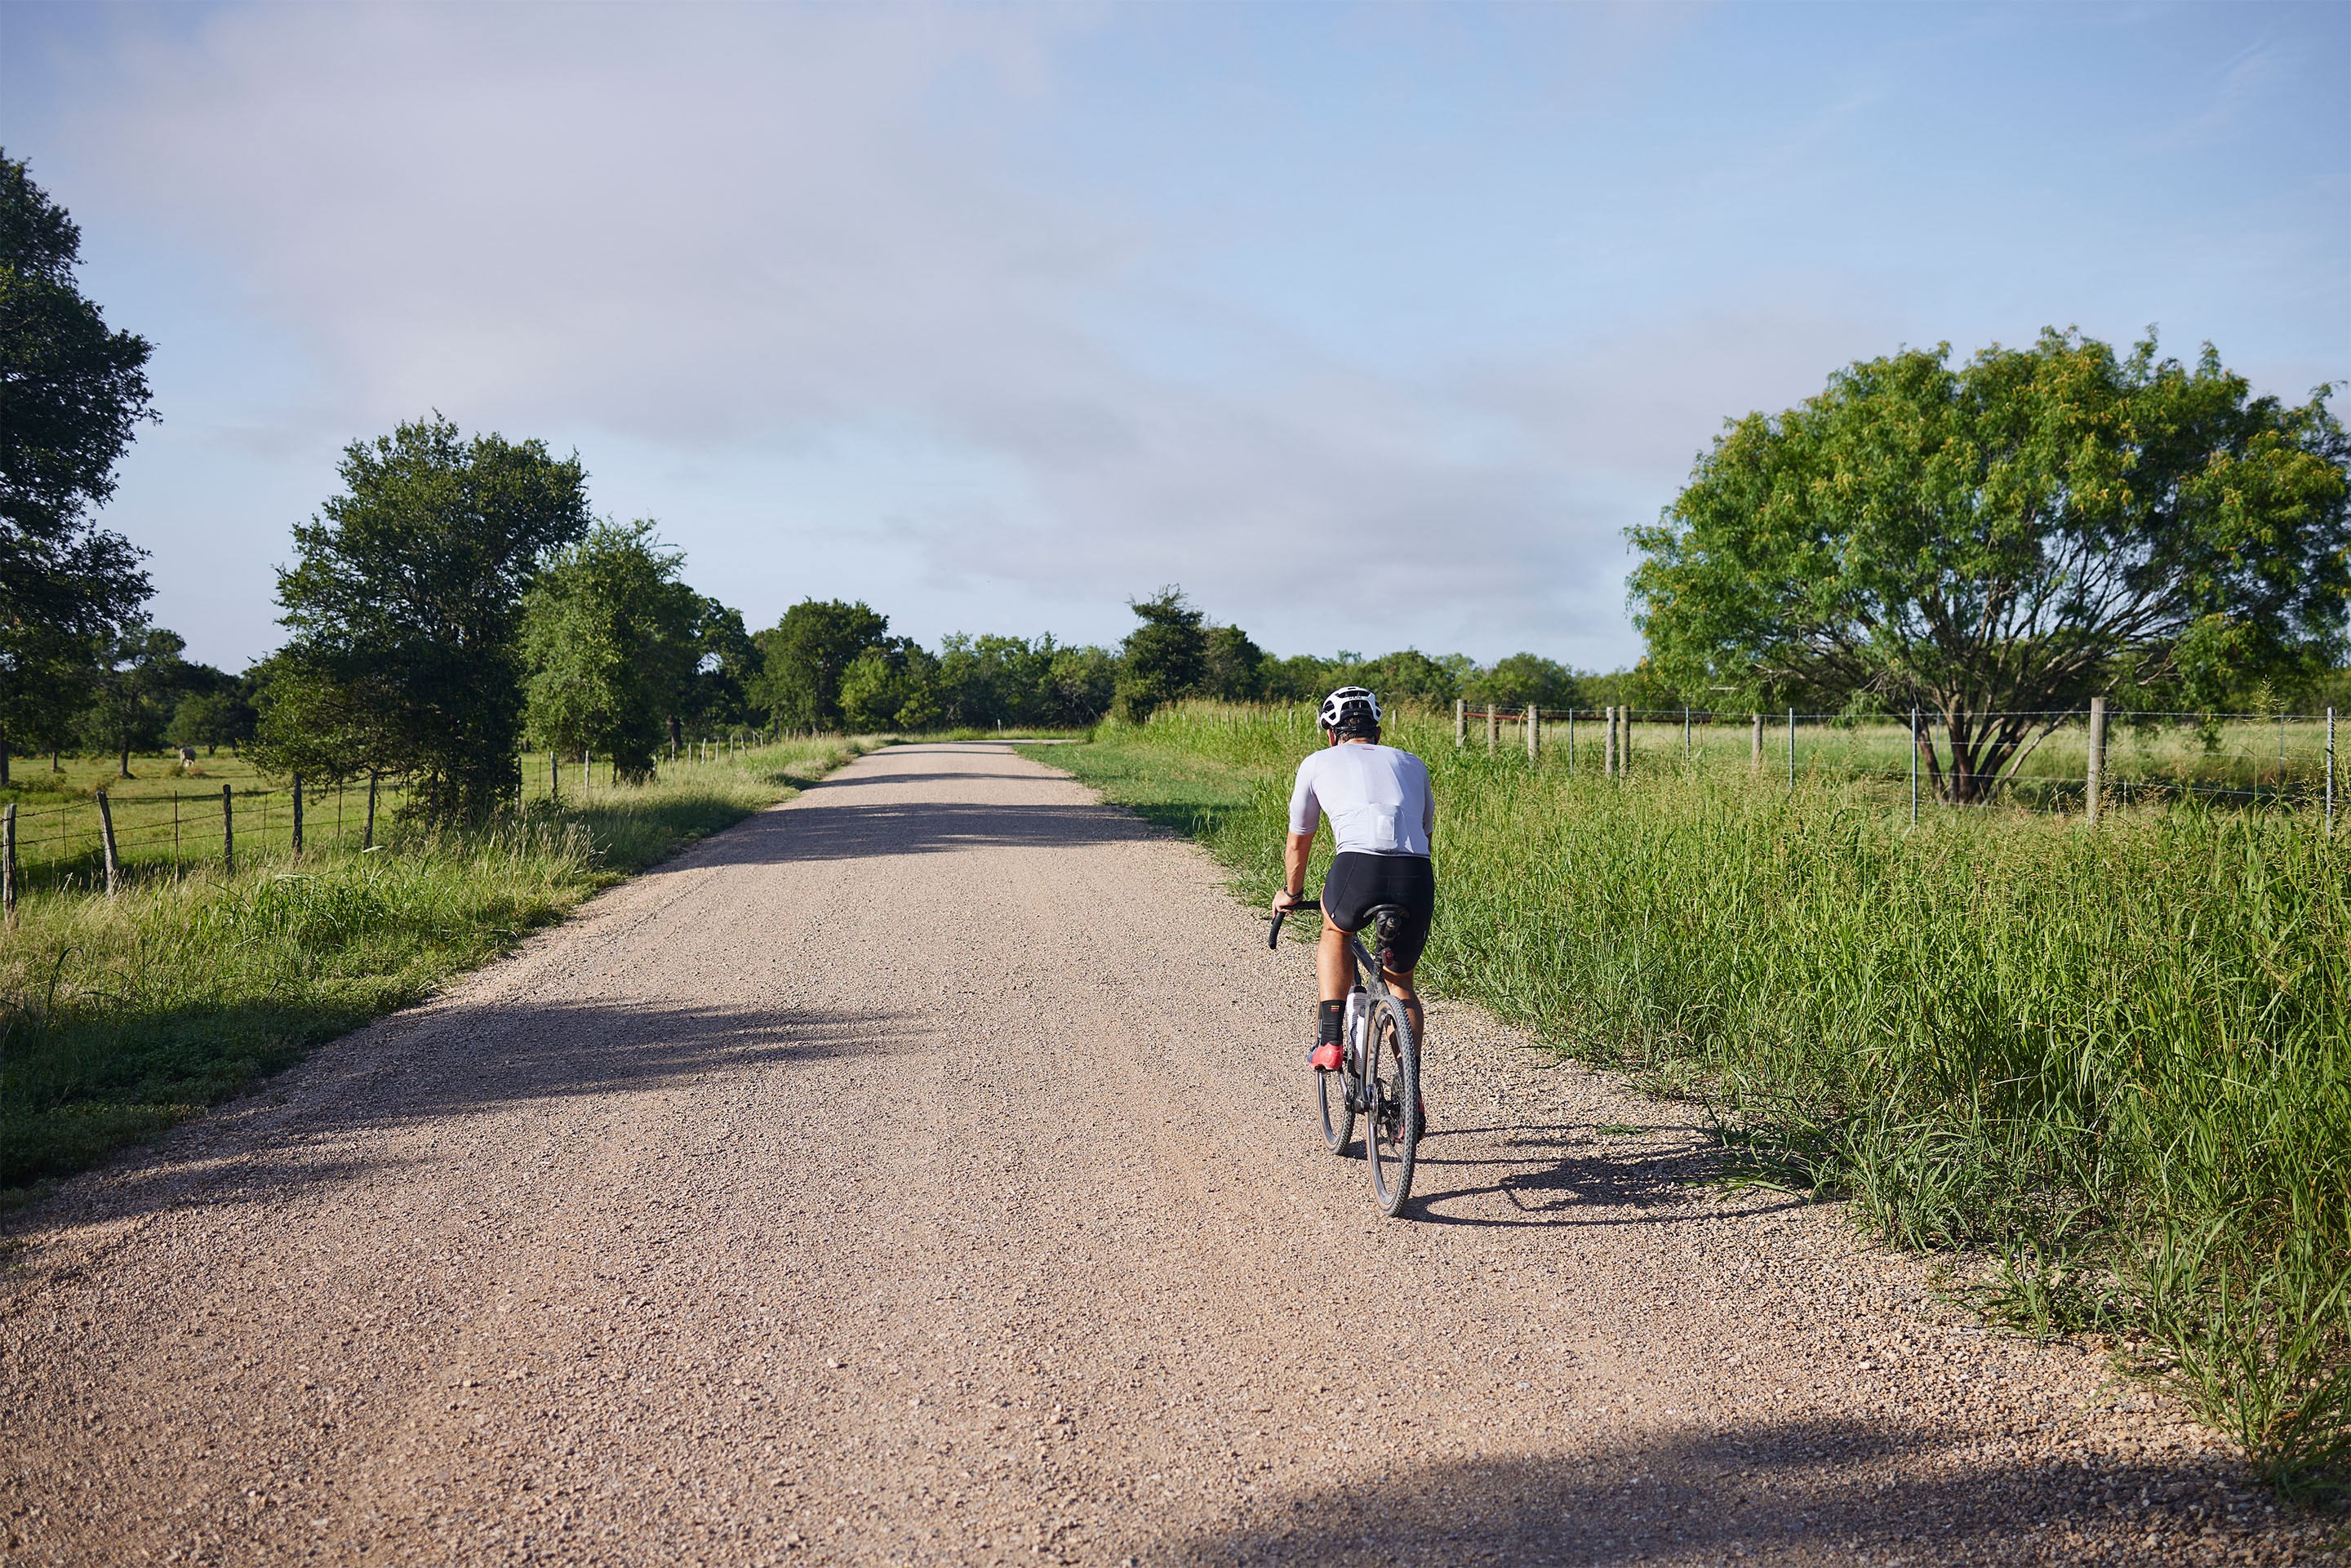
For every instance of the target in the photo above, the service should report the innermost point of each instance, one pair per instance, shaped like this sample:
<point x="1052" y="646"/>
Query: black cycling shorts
<point x="1358" y="882"/>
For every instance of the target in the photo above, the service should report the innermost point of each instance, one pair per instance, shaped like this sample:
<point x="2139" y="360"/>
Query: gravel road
<point x="922" y="1171"/>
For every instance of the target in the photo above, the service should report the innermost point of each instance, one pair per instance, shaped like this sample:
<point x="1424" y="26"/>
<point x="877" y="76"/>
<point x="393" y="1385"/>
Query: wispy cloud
<point x="1022" y="310"/>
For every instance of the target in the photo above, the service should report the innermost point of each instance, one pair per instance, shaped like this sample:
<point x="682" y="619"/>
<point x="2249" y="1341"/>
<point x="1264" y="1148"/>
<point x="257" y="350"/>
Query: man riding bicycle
<point x="1381" y="816"/>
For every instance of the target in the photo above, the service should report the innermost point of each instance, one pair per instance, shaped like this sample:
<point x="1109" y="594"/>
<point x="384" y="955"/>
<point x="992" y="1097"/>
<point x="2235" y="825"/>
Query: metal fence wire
<point x="2081" y="759"/>
<point x="92" y="841"/>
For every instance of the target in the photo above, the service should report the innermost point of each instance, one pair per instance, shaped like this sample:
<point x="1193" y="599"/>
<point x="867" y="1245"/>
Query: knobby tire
<point x="1392" y="1121"/>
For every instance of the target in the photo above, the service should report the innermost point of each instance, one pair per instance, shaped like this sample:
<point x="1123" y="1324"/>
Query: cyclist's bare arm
<point x="1294" y="854"/>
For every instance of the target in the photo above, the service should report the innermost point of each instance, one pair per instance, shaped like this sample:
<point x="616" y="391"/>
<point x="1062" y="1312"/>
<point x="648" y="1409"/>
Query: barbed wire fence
<point x="95" y="842"/>
<point x="2081" y="759"/>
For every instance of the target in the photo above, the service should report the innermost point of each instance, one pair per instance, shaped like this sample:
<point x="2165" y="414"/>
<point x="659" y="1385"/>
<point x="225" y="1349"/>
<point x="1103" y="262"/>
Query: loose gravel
<point x="924" y="1171"/>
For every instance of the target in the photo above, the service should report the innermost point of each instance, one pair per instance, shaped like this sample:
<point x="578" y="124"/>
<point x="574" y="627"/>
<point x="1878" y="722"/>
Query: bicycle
<point x="1379" y="1076"/>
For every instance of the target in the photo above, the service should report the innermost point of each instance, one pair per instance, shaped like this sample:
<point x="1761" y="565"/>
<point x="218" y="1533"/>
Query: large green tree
<point x="405" y="603"/>
<point x="326" y="724"/>
<point x="1407" y="676"/>
<point x="992" y="679"/>
<point x="46" y="672"/>
<point x="719" y="696"/>
<point x="1997" y="542"/>
<point x="1233" y="666"/>
<point x="1524" y="680"/>
<point x="71" y="391"/>
<point x="894" y="686"/>
<point x="135" y="683"/>
<point x="1079" y="686"/>
<point x="1165" y="659"/>
<point x="216" y="709"/>
<point x="612" y="637"/>
<point x="802" y="657"/>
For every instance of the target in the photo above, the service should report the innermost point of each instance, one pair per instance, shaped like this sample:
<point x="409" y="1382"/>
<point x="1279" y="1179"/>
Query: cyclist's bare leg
<point x="1335" y="968"/>
<point x="1334" y="971"/>
<point x="1400" y="982"/>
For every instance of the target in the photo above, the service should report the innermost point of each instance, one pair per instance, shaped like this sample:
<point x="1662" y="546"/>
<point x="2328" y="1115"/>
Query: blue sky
<point x="1370" y="325"/>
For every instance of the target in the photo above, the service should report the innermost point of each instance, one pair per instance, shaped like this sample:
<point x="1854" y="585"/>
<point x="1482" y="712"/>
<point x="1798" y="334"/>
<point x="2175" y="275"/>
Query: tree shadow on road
<point x="451" y="1062"/>
<point x="1762" y="1492"/>
<point x="846" y="829"/>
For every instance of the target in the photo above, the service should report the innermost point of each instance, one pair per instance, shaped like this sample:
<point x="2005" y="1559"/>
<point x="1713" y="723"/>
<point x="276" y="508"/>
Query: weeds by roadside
<point x="121" y="1017"/>
<point x="2115" y="1065"/>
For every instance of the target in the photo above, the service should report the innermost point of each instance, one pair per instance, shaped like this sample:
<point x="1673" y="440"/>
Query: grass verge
<point x="2112" y="1068"/>
<point x="121" y="1017"/>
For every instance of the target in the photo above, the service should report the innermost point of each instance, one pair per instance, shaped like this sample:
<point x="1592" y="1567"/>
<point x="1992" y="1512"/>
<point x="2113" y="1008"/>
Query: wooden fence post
<point x="1755" y="753"/>
<point x="367" y="839"/>
<point x="1914" y="766"/>
<point x="106" y="839"/>
<point x="1534" y="733"/>
<point x="297" y="817"/>
<point x="9" y="863"/>
<point x="1608" y="746"/>
<point x="554" y="778"/>
<point x="1460" y="724"/>
<point x="1625" y="750"/>
<point x="1493" y="730"/>
<point x="228" y="833"/>
<point x="2096" y="780"/>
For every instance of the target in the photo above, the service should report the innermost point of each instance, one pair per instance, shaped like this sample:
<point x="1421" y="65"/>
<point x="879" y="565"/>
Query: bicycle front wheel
<point x="1391" y="1097"/>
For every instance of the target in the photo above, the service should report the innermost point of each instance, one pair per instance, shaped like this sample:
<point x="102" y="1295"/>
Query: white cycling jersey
<point x="1376" y="797"/>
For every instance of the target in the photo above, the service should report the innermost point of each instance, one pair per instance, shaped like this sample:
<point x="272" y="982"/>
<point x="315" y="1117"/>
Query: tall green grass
<point x="119" y="1016"/>
<point x="2115" y="1064"/>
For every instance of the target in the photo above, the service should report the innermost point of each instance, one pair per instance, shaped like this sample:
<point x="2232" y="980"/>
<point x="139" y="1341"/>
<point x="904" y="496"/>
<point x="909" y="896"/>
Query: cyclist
<point x="1382" y="815"/>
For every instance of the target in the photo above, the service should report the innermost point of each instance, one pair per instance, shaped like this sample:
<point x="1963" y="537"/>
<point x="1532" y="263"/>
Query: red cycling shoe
<point x="1328" y="1058"/>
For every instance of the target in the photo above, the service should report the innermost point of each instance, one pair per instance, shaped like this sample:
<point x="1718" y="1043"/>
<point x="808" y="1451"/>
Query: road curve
<point x="922" y="1171"/>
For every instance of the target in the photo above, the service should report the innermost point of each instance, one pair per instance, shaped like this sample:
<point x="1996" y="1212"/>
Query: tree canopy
<point x="405" y="603"/>
<point x="216" y="709"/>
<point x="804" y="654"/>
<point x="1525" y="680"/>
<point x="720" y="696"/>
<point x="612" y="637"/>
<point x="1165" y="659"/>
<point x="134" y="682"/>
<point x="1998" y="542"/>
<point x="71" y="391"/>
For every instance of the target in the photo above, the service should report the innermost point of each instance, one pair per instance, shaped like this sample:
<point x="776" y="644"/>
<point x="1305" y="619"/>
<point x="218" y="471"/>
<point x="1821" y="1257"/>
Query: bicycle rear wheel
<point x="1392" y="1094"/>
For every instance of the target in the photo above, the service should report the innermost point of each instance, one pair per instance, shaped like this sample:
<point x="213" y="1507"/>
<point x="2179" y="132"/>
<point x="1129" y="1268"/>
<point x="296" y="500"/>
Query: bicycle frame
<point x="1361" y="1092"/>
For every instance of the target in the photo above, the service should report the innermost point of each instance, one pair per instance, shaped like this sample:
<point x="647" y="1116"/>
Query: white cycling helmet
<point x="1347" y="700"/>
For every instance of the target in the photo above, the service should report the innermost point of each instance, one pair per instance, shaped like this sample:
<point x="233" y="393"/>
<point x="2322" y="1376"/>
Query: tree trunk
<point x="126" y="762"/>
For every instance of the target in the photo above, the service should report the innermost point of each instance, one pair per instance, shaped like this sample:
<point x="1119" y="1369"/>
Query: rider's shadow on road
<point x="1562" y="1174"/>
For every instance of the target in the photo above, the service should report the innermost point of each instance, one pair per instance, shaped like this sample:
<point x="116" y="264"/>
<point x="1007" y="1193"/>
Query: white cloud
<point x="838" y="294"/>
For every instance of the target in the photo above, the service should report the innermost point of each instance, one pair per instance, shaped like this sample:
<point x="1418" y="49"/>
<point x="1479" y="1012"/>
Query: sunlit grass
<point x="2113" y="1063"/>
